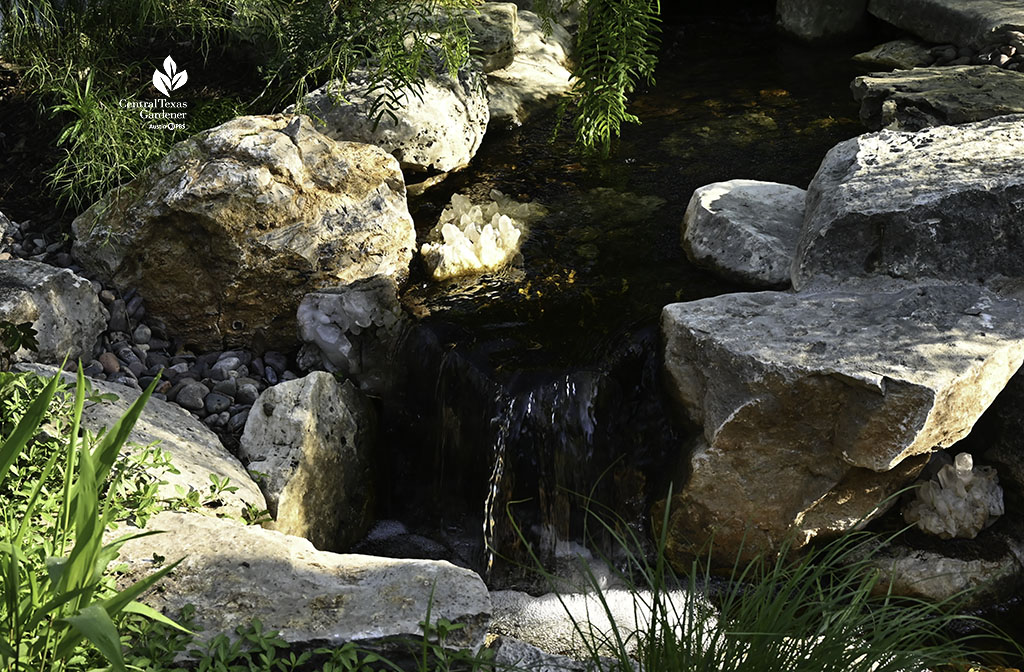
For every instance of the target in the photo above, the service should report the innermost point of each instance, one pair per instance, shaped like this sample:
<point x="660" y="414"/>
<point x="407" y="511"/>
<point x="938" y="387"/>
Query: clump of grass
<point x="55" y="593"/>
<point x="819" y="610"/>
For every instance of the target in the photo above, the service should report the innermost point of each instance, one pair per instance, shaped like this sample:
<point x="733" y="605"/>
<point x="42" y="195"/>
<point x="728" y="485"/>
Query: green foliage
<point x="616" y="50"/>
<point x="54" y="591"/>
<point x="83" y="59"/>
<point x="14" y="337"/>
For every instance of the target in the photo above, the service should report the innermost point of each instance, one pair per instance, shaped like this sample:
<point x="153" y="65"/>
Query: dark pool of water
<point x="543" y="379"/>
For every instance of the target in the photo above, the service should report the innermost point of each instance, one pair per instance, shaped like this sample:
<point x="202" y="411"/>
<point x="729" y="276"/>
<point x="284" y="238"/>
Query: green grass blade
<point x="105" y="453"/>
<point x="154" y="615"/>
<point x="95" y="624"/>
<point x="62" y="527"/>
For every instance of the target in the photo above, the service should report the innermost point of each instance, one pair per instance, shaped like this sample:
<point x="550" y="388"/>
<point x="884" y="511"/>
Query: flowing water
<point x="529" y="388"/>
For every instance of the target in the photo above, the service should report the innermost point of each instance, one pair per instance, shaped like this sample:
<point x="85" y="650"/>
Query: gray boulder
<point x="941" y="203"/>
<point x="745" y="230"/>
<point x="310" y="440"/>
<point x="234" y="573"/>
<point x="195" y="452"/>
<point x="909" y="100"/>
<point x="227" y="233"/>
<point x="974" y="24"/>
<point x="538" y="76"/>
<point x="816" y="20"/>
<point x="815" y="406"/>
<point x="62" y="307"/>
<point x="438" y="127"/>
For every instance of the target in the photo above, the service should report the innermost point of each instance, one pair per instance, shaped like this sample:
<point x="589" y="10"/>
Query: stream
<point x="531" y="389"/>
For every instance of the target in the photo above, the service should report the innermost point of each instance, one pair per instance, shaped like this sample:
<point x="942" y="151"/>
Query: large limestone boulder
<point x="438" y="127"/>
<point x="943" y="203"/>
<point x="974" y="24"/>
<point x="745" y="230"/>
<point x="311" y="442"/>
<point x="62" y="307"/>
<point x="815" y="405"/>
<point x="538" y="76"/>
<point x="226" y="233"/>
<point x="909" y="100"/>
<point x="815" y="20"/>
<point x="195" y="452"/>
<point x="234" y="573"/>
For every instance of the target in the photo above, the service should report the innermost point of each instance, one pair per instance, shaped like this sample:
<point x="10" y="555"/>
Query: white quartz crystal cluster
<point x="472" y="238"/>
<point x="960" y="501"/>
<point x="350" y="329"/>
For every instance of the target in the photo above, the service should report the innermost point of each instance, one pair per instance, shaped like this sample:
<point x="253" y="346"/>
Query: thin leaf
<point x="27" y="427"/>
<point x="94" y="624"/>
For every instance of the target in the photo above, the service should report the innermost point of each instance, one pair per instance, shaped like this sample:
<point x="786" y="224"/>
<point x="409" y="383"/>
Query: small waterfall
<point x="502" y="423"/>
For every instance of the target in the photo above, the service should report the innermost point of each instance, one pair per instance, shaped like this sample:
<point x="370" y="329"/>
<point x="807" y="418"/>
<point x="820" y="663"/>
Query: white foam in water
<point x="473" y="238"/>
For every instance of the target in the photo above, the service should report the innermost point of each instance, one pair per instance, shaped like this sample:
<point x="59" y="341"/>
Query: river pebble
<point x="142" y="334"/>
<point x="192" y="395"/>
<point x="247" y="394"/>
<point x="216" y="402"/>
<point x="108" y="362"/>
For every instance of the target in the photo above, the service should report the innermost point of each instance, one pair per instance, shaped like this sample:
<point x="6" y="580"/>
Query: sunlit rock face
<point x="227" y="233"/>
<point x="311" y="442"/>
<point x="62" y="307"/>
<point x="941" y="203"/>
<point x="811" y="403"/>
<point x="745" y="230"/>
<point x="235" y="573"/>
<point x="538" y="76"/>
<point x="960" y="501"/>
<point x="473" y="238"/>
<point x="437" y="126"/>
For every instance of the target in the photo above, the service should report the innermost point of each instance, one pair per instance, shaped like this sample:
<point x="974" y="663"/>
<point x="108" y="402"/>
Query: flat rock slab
<point x="909" y="100"/>
<point x="975" y="23"/>
<point x="937" y="577"/>
<point x="745" y="230"/>
<point x="898" y="54"/>
<point x="944" y="203"/>
<point x="234" y="573"/>
<point x="809" y="400"/>
<point x="195" y="451"/>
